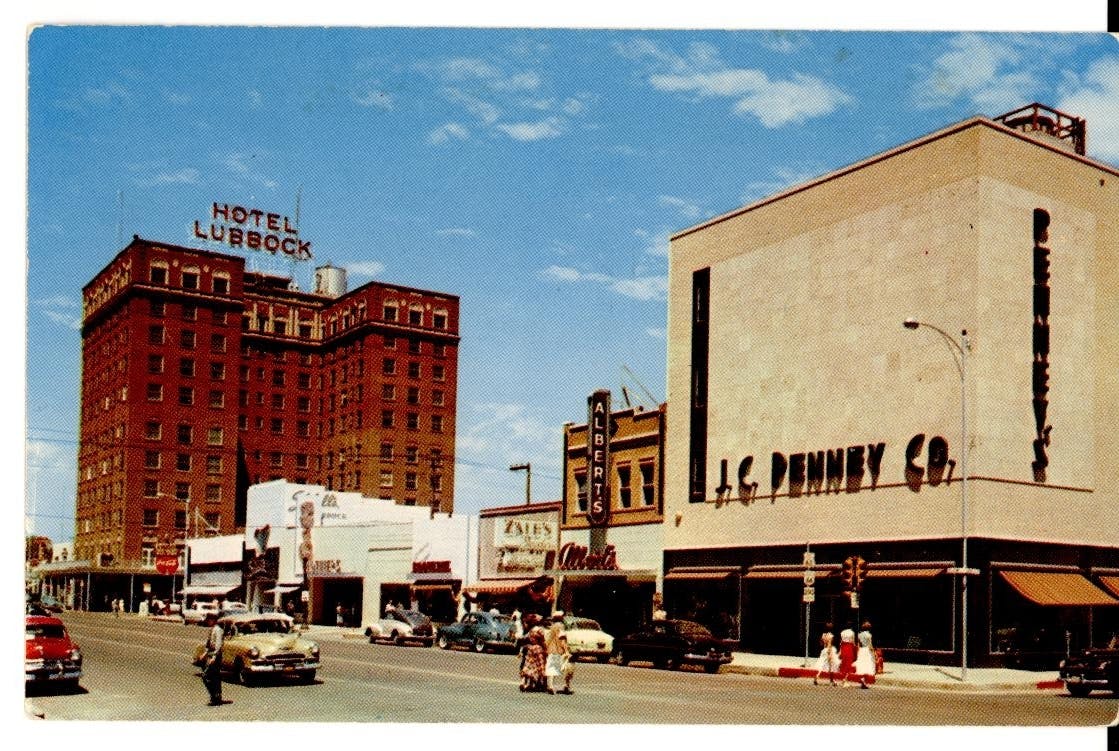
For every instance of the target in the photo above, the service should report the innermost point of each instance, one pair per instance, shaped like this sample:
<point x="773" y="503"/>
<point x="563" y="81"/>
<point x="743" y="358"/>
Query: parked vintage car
<point x="402" y="627"/>
<point x="1092" y="669"/>
<point x="672" y="643"/>
<point x="259" y="645"/>
<point x="50" y="656"/>
<point x="480" y="631"/>
<point x="585" y="638"/>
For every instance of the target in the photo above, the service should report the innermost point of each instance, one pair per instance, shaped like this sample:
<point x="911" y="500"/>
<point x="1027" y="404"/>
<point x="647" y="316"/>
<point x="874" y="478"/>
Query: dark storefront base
<point x="914" y="613"/>
<point x="618" y="604"/>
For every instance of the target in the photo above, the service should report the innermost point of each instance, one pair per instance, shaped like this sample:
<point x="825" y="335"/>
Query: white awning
<point x="281" y="589"/>
<point x="209" y="589"/>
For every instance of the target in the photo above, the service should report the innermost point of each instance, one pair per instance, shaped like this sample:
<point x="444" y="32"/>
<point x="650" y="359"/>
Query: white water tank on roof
<point x="330" y="281"/>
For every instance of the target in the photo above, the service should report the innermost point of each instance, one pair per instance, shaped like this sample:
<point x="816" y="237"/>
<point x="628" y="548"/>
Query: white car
<point x="585" y="638"/>
<point x="200" y="611"/>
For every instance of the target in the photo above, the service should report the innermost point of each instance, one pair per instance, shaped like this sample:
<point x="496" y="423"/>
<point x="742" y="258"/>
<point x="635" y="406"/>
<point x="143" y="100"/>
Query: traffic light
<point x="860" y="572"/>
<point x="848" y="573"/>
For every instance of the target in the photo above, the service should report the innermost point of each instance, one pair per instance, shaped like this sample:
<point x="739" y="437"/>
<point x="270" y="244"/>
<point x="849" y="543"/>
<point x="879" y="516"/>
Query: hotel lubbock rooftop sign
<point x="254" y="229"/>
<point x="598" y="458"/>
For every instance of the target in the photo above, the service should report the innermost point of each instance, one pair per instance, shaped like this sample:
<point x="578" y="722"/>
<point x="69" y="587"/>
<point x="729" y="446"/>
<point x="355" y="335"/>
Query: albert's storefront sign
<point x="573" y="557"/>
<point x="254" y="229"/>
<point x="843" y="469"/>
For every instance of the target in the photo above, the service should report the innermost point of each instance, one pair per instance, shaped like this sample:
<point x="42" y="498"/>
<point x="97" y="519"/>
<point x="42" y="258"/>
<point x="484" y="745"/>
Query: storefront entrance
<point x="618" y="603"/>
<point x="336" y="601"/>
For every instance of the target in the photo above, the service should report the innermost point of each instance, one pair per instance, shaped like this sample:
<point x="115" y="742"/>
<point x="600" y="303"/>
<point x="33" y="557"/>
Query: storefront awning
<point x="214" y="590"/>
<point x="1111" y="583"/>
<point x="702" y="572"/>
<point x="582" y="575"/>
<point x="499" y="586"/>
<point x="281" y="589"/>
<point x="1057" y="588"/>
<point x="917" y="572"/>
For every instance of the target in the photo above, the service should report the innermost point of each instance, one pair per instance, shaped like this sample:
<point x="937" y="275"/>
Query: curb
<point x="897" y="681"/>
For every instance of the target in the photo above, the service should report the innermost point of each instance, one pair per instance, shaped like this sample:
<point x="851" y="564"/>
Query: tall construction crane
<point x="654" y="402"/>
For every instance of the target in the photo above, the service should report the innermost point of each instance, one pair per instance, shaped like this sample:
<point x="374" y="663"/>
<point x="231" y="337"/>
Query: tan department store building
<point x="807" y="418"/>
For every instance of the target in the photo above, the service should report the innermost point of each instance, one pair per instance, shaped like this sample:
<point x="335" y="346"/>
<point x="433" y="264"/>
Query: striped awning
<point x="215" y="590"/>
<point x="1057" y="588"/>
<point x="499" y="586"/>
<point x="1111" y="583"/>
<point x="702" y="572"/>
<point x="917" y="572"/>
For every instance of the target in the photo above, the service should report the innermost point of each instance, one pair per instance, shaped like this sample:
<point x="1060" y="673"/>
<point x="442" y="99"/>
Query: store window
<point x="581" y="489"/>
<point x="648" y="483"/>
<point x="625" y="492"/>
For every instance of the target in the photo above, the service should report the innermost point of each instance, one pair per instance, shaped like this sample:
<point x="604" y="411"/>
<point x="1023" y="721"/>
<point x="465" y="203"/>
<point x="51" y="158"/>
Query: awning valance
<point x="499" y="586"/>
<point x="916" y="572"/>
<point x="1111" y="583"/>
<point x="213" y="590"/>
<point x="1057" y="588"/>
<point x="702" y="572"/>
<point x="280" y="589"/>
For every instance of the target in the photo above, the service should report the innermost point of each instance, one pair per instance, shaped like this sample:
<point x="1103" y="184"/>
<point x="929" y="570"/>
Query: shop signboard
<point x="167" y="564"/>
<point x="598" y="458"/>
<point x="809" y="594"/>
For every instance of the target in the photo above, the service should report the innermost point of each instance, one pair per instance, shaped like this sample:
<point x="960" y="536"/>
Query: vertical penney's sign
<point x="598" y="458"/>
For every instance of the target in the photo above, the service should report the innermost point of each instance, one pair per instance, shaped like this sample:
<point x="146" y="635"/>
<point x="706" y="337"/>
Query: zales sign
<point x="240" y="227"/>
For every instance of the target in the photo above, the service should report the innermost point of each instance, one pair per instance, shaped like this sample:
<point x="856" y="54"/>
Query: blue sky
<point x="537" y="174"/>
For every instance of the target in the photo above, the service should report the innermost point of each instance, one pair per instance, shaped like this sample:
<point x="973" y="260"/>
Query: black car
<point x="1092" y="669"/>
<point x="672" y="643"/>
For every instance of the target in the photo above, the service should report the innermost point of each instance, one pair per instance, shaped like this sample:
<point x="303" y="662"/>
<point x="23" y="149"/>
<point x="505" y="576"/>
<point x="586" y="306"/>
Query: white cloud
<point x="988" y="70"/>
<point x="371" y="96"/>
<point x="686" y="208"/>
<point x="550" y="127"/>
<point x="785" y="42"/>
<point x="783" y="178"/>
<point x="446" y="132"/>
<point x="364" y="268"/>
<point x="69" y="321"/>
<point x="637" y="288"/>
<point x="702" y="74"/>
<point x="456" y="232"/>
<point x="486" y="113"/>
<point x="58" y="301"/>
<point x="657" y="332"/>
<point x="656" y="243"/>
<point x="239" y="165"/>
<point x="1095" y="97"/>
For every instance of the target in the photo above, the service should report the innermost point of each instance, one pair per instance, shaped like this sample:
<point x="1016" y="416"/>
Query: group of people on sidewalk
<point x="849" y="661"/>
<point x="546" y="659"/>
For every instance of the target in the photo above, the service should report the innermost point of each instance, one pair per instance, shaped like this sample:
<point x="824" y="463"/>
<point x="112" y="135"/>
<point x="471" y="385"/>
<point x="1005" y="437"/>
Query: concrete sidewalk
<point x="903" y="675"/>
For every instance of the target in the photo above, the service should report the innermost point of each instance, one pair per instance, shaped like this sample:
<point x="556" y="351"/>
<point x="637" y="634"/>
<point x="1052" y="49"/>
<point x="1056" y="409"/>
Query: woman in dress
<point x="534" y="661"/>
<point x="864" y="661"/>
<point x="847" y="653"/>
<point x="829" y="659"/>
<point x="559" y="659"/>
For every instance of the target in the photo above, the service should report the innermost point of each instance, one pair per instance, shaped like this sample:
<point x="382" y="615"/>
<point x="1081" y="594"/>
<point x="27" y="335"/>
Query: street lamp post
<point x="527" y="467"/>
<point x="961" y="347"/>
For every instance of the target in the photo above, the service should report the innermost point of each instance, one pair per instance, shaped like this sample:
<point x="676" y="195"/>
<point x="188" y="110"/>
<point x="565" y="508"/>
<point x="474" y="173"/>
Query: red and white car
<point x="51" y="656"/>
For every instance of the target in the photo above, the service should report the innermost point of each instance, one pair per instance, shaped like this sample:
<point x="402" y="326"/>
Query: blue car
<point x="479" y="631"/>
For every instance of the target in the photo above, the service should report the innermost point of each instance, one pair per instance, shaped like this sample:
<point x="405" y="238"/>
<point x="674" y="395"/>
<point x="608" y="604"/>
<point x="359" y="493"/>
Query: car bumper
<point x="706" y="658"/>
<point x="1088" y="681"/>
<point x="52" y="672"/>
<point x="592" y="651"/>
<point x="271" y="668"/>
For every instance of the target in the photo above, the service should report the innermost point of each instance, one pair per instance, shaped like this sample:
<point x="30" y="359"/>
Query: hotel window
<point x="277" y="425"/>
<point x="390" y="342"/>
<point x="187" y="339"/>
<point x="217" y="342"/>
<point x="276" y="459"/>
<point x="439" y="320"/>
<point x="212" y="520"/>
<point x="219" y="317"/>
<point x="277" y="401"/>
<point x="413" y="395"/>
<point x="260" y="398"/>
<point x="155" y="392"/>
<point x="386" y="418"/>
<point x="246" y="373"/>
<point x="389" y="312"/>
<point x="221" y="284"/>
<point x="158" y="273"/>
<point x="411" y="454"/>
<point x="438" y="373"/>
<point x="304" y="380"/>
<point x="147" y="556"/>
<point x="182" y="492"/>
<point x="386" y="479"/>
<point x="581" y="489"/>
<point x="184" y="434"/>
<point x="190" y="279"/>
<point x="410" y="481"/>
<point x="217" y="371"/>
<point x="186" y="367"/>
<point x="437" y="423"/>
<point x="277" y="378"/>
<point x="213" y="493"/>
<point x="151" y="517"/>
<point x="386" y="452"/>
<point x="213" y="465"/>
<point x="413" y="421"/>
<point x="648" y="486"/>
<point x="416" y="316"/>
<point x="155" y="334"/>
<point x="388" y="366"/>
<point x="303" y="404"/>
<point x="301" y="461"/>
<point x="388" y="392"/>
<point x="439" y="349"/>
<point x="190" y="312"/>
<point x="303" y="429"/>
<point x="215" y="436"/>
<point x="153" y="431"/>
<point x="243" y="398"/>
<point x="415" y="346"/>
<point x="186" y="395"/>
<point x="158" y="308"/>
<point x="182" y="462"/>
<point x="155" y="363"/>
<point x="217" y="399"/>
<point x="151" y="460"/>
<point x="437" y="398"/>
<point x="625" y="493"/>
<point x="242" y="422"/>
<point x="437" y="483"/>
<point x="181" y="520"/>
<point x="413" y="370"/>
<point x="280" y="326"/>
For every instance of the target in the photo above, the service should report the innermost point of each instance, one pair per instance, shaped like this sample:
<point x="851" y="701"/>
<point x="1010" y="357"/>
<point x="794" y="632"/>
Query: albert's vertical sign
<point x="598" y="458"/>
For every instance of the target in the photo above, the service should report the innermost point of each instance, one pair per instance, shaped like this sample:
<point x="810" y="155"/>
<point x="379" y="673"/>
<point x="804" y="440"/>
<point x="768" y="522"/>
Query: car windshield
<point x="410" y="616"/>
<point x="45" y="631"/>
<point x="264" y="626"/>
<point x="691" y="629"/>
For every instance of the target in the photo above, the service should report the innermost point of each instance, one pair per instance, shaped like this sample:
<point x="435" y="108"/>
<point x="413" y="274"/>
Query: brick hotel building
<point x="200" y="377"/>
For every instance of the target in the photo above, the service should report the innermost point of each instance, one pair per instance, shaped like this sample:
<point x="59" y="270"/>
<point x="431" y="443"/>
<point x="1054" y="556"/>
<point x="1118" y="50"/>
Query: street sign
<point x="809" y="559"/>
<point x="809" y="594"/>
<point x="809" y="577"/>
<point x="854" y="599"/>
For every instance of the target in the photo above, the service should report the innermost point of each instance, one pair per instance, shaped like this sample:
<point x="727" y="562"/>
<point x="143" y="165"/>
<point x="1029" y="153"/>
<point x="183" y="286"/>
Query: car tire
<point x="711" y="667"/>
<point x="602" y="658"/>
<point x="309" y="676"/>
<point x="479" y="646"/>
<point x="443" y="643"/>
<point x="1078" y="690"/>
<point x="397" y="639"/>
<point x="244" y="676"/>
